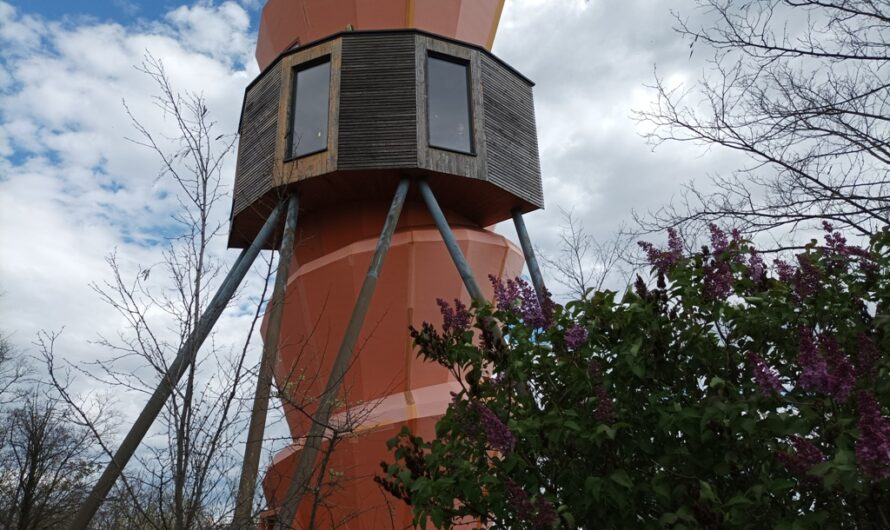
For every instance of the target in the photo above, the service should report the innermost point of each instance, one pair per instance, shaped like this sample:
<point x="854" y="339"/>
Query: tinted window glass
<point x="448" y="91"/>
<point x="310" y="115"/>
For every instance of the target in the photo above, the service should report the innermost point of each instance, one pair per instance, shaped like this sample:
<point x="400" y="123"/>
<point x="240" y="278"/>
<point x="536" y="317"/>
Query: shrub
<point x="726" y="394"/>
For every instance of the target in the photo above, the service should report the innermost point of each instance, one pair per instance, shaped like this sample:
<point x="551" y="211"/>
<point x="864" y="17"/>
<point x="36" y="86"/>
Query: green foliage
<point x="726" y="396"/>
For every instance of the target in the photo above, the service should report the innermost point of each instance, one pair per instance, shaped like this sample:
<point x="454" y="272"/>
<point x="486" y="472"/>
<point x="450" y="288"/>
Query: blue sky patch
<point x="124" y="12"/>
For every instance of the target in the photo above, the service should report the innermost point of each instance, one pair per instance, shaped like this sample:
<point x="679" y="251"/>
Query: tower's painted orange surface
<point x="387" y="386"/>
<point x="286" y="23"/>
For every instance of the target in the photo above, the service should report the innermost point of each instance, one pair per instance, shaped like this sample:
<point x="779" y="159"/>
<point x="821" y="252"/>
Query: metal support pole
<point x="243" y="519"/>
<point x="309" y="454"/>
<point x="529" y="252"/>
<point x="184" y="357"/>
<point x="451" y="243"/>
<point x="466" y="273"/>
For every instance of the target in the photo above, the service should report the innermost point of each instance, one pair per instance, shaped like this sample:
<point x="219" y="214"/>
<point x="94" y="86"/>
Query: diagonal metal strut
<point x="530" y="259"/>
<point x="253" y="447"/>
<point x="184" y="357"/>
<point x="463" y="267"/>
<point x="309" y="454"/>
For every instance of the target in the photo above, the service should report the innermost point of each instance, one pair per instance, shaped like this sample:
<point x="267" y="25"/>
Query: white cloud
<point x="72" y="187"/>
<point x="590" y="61"/>
<point x="218" y="31"/>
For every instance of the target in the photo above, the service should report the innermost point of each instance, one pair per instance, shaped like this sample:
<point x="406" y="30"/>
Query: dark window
<point x="448" y="92"/>
<point x="309" y="128"/>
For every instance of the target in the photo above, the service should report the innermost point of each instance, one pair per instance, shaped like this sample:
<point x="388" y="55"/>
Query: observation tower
<point x="379" y="145"/>
<point x="390" y="140"/>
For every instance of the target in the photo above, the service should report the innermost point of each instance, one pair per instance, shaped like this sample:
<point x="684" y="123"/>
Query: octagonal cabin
<point x="344" y="118"/>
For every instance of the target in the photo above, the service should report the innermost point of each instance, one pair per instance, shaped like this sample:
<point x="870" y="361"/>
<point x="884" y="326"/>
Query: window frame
<point x="466" y="63"/>
<point x="292" y="107"/>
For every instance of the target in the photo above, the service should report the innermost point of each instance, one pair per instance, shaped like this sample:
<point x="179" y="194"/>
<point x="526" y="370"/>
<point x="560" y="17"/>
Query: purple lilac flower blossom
<point x="518" y="294"/>
<point x="535" y="313"/>
<point x="736" y="236"/>
<point x="785" y="270"/>
<point x="841" y="376"/>
<point x="866" y="263"/>
<point x="807" y="281"/>
<point x="576" y="336"/>
<point x="541" y="513"/>
<point x="814" y="374"/>
<point x="605" y="409"/>
<point x="873" y="445"/>
<point x="756" y="267"/>
<point x="505" y="293"/>
<point x="767" y="379"/>
<point x="546" y="518"/>
<point x="455" y="320"/>
<point x="595" y="369"/>
<point x="498" y="434"/>
<point x="719" y="243"/>
<point x="805" y="456"/>
<point x="675" y="244"/>
<point x="519" y="500"/>
<point x="717" y="281"/>
<point x="663" y="260"/>
<point x="829" y="372"/>
<point x="834" y="240"/>
<point x="867" y="359"/>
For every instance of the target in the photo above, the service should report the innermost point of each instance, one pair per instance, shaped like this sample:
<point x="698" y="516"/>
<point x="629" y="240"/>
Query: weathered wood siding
<point x="510" y="132"/>
<point x="470" y="165"/>
<point x="377" y="131"/>
<point x="378" y="112"/>
<point x="256" y="148"/>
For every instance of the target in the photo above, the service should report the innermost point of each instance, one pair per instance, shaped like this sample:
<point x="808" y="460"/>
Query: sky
<point x="73" y="189"/>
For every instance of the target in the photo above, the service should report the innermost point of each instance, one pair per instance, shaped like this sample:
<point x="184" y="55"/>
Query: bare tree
<point x="12" y="370"/>
<point x="45" y="459"/>
<point x="802" y="88"/>
<point x="582" y="262"/>
<point x="183" y="473"/>
<point x="45" y="464"/>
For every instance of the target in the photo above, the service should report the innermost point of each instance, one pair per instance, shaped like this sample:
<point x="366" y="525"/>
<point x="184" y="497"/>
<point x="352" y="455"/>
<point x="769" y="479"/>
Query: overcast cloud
<point x="73" y="189"/>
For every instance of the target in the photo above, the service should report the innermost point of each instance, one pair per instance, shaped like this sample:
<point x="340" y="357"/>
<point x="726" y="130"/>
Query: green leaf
<point x="706" y="493"/>
<point x="572" y="425"/>
<point x="739" y="500"/>
<point x="637" y="368"/>
<point x="608" y="430"/>
<point x="568" y="518"/>
<point x="844" y="456"/>
<point x="668" y="518"/>
<point x="594" y="486"/>
<point x="661" y="488"/>
<point x="621" y="478"/>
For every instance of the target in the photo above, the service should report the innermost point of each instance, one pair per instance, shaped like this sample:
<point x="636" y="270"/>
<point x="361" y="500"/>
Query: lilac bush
<point x="720" y="392"/>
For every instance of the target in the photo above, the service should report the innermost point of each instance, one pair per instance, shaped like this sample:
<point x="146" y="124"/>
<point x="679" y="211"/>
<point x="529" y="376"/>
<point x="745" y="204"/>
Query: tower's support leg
<point x="184" y="357"/>
<point x="451" y="243"/>
<point x="309" y="453"/>
<point x="242" y="519"/>
<point x="529" y="252"/>
<point x="488" y="325"/>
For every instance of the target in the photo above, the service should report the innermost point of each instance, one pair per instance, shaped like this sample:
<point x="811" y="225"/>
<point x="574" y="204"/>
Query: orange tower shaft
<point x="358" y="102"/>
<point x="387" y="386"/>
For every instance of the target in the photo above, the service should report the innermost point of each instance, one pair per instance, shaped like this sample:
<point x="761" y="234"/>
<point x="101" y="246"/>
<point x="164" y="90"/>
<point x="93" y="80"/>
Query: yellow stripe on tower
<point x="494" y="25"/>
<point x="409" y="14"/>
